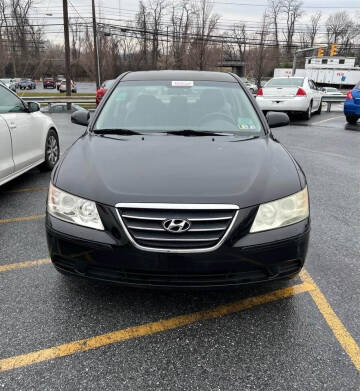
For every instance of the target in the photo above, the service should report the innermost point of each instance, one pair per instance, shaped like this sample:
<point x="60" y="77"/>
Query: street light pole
<point x="96" y="49"/>
<point x="295" y="57"/>
<point x="67" y="51"/>
<point x="294" y="64"/>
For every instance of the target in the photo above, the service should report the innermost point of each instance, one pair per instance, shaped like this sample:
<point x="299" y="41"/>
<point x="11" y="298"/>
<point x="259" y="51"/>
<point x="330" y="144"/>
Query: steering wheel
<point x="216" y="115"/>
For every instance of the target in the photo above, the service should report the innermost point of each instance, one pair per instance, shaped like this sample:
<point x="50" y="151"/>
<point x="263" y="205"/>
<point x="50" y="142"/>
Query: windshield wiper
<point x="128" y="132"/>
<point x="245" y="138"/>
<point x="191" y="132"/>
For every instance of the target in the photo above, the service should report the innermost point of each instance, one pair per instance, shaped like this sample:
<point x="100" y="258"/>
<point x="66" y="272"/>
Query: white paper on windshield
<point x="186" y="83"/>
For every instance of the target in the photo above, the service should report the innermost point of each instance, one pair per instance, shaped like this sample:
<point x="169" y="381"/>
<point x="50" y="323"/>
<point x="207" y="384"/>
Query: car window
<point x="10" y="103"/>
<point x="312" y="85"/>
<point x="286" y="82"/>
<point x="167" y="106"/>
<point x="108" y="83"/>
<point x="358" y="85"/>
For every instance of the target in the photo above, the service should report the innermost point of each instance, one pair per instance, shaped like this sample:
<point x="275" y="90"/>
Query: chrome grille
<point x="210" y="224"/>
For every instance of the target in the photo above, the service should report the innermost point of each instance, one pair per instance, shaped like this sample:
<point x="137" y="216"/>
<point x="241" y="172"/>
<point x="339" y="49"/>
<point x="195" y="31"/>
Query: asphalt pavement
<point x="65" y="334"/>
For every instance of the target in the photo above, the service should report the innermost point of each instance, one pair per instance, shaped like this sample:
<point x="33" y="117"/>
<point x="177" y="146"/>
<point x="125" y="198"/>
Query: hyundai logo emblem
<point x="176" y="225"/>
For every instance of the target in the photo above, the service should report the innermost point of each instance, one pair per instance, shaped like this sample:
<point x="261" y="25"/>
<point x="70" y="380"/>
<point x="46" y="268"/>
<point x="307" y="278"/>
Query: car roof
<point x="179" y="76"/>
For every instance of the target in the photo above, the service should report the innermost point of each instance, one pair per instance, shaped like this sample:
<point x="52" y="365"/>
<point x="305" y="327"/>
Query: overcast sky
<point x="248" y="11"/>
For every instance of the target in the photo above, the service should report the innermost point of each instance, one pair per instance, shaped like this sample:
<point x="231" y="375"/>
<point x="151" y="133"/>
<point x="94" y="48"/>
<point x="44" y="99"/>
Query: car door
<point x="7" y="166"/>
<point x="315" y="94"/>
<point x="25" y="129"/>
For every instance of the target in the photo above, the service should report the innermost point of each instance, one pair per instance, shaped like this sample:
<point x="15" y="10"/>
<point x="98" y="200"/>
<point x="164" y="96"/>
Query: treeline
<point x="21" y="41"/>
<point x="165" y="34"/>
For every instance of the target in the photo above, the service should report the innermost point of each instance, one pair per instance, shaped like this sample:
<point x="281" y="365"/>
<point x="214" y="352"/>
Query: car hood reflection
<point x="178" y="170"/>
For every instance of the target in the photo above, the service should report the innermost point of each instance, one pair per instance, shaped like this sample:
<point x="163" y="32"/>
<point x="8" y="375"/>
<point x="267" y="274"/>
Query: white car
<point x="290" y="94"/>
<point x="250" y="86"/>
<point x="9" y="83"/>
<point x="332" y="91"/>
<point x="28" y="138"/>
<point x="62" y="87"/>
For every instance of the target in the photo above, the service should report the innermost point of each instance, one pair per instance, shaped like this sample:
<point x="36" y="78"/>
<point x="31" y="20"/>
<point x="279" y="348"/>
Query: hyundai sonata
<point x="178" y="181"/>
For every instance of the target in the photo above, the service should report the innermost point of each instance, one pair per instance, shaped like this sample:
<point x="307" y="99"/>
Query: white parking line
<point x="325" y="120"/>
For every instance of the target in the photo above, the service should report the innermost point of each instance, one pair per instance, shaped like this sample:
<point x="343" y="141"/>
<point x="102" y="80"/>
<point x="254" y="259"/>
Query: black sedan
<point x="178" y="182"/>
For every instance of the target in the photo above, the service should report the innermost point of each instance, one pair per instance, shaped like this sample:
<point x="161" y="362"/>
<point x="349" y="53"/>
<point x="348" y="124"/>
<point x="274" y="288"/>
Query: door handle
<point x="12" y="125"/>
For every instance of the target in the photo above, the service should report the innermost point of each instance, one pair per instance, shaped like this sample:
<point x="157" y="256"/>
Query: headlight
<point x="73" y="209"/>
<point x="283" y="212"/>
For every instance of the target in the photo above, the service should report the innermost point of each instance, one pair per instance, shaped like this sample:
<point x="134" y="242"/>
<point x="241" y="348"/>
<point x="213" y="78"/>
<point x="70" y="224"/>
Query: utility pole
<point x="96" y="50"/>
<point x="67" y="51"/>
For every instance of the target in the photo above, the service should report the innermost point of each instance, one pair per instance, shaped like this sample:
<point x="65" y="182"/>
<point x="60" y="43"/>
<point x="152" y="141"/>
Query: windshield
<point x="285" y="82"/>
<point x="170" y="106"/>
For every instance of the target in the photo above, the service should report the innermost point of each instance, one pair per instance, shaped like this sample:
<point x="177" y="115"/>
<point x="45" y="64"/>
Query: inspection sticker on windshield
<point x="186" y="83"/>
<point x="245" y="123"/>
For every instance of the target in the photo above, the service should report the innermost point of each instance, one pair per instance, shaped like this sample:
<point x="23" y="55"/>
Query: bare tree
<point x="205" y="25"/>
<point x="156" y="13"/>
<point x="19" y="37"/>
<point x="142" y="21"/>
<point x="337" y="26"/>
<point x="274" y="11"/>
<point x="343" y="30"/>
<point x="76" y="39"/>
<point x="292" y="10"/>
<point x="303" y="39"/>
<point x="181" y="19"/>
<point x="239" y="34"/>
<point x="260" y="51"/>
<point x="313" y="29"/>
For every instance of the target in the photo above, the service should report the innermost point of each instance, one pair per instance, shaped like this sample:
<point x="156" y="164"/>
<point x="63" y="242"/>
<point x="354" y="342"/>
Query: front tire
<point x="52" y="151"/>
<point x="351" y="119"/>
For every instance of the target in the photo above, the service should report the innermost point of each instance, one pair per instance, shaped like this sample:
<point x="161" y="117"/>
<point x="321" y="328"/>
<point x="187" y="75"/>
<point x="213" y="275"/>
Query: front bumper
<point x="242" y="259"/>
<point x="295" y="104"/>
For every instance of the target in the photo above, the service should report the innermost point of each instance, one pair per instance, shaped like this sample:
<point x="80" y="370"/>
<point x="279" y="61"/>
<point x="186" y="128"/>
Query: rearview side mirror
<point x="81" y="117"/>
<point x="276" y="120"/>
<point x="33" y="107"/>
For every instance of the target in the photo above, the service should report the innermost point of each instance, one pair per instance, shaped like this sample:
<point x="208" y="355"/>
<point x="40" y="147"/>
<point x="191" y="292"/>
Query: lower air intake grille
<point x="177" y="227"/>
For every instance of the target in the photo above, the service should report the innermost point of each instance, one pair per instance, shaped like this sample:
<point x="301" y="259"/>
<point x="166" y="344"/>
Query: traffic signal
<point x="320" y="52"/>
<point x="333" y="50"/>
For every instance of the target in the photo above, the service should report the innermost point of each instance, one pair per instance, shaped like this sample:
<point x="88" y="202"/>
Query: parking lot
<point x="82" y="87"/>
<point x="67" y="334"/>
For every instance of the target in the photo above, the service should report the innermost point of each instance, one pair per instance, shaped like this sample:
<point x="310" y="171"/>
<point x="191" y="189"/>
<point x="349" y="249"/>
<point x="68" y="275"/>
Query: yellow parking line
<point x="15" y="219"/>
<point x="23" y="265"/>
<point x="342" y="335"/>
<point x="148" y="329"/>
<point x="25" y="190"/>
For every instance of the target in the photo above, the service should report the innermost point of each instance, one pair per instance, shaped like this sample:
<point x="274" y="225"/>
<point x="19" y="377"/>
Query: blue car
<point x="352" y="105"/>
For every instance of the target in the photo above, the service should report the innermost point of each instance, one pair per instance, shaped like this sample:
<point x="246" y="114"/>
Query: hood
<point x="177" y="169"/>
